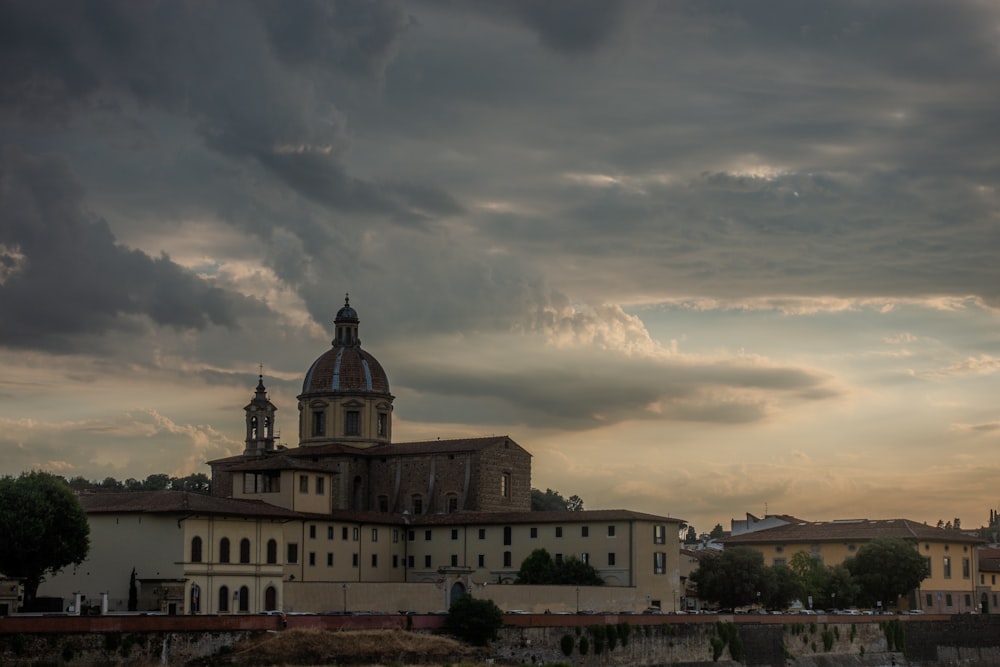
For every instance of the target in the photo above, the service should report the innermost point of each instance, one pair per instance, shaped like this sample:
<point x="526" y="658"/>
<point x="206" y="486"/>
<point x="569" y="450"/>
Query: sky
<point x="700" y="258"/>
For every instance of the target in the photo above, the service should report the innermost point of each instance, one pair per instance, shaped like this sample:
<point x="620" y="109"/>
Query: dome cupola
<point x="345" y="395"/>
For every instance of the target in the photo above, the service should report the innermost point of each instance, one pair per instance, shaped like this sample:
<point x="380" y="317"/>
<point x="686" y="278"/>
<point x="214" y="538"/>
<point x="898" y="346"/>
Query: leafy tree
<point x="195" y="483"/>
<point x="692" y="535"/>
<point x="732" y="578"/>
<point x="717" y="532"/>
<point x="812" y="574"/>
<point x="537" y="568"/>
<point x="885" y="569"/>
<point x="841" y="589"/>
<point x="474" y="621"/>
<point x="779" y="587"/>
<point x="553" y="501"/>
<point x="540" y="568"/>
<point x="574" y="572"/>
<point x="157" y="482"/>
<point x="133" y="592"/>
<point x="44" y="529"/>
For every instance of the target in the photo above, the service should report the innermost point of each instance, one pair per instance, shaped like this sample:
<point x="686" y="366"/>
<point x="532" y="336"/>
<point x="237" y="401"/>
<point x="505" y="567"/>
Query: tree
<point x="779" y="587"/>
<point x="717" y="532"/>
<point x="133" y="592"/>
<point x="553" y="501"/>
<point x="885" y="569"/>
<point x="44" y="529"/>
<point x="692" y="535"/>
<point x="474" y="621"/>
<point x="732" y="578"/>
<point x="537" y="568"/>
<point x="812" y="574"/>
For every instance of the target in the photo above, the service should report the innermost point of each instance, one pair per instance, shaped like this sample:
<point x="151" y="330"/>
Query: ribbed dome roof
<point x="346" y="368"/>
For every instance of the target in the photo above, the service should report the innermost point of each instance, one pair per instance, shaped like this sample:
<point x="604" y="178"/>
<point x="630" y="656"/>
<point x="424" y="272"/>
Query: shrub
<point x="584" y="645"/>
<point x="624" y="629"/>
<point x="717" y="647"/>
<point x="827" y="641"/>
<point x="566" y="644"/>
<point x="612" y="633"/>
<point x="474" y="621"/>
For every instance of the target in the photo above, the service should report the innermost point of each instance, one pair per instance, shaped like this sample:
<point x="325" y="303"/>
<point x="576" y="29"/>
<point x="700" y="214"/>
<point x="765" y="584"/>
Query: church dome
<point x="345" y="367"/>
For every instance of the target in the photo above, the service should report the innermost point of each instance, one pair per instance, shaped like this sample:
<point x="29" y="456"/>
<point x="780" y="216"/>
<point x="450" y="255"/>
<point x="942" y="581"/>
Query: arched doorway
<point x="457" y="591"/>
<point x="270" y="599"/>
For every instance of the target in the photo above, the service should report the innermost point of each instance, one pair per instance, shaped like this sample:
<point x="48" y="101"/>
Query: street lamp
<point x="675" y="600"/>
<point x="578" y="600"/>
<point x="758" y="599"/>
<point x="345" y="587"/>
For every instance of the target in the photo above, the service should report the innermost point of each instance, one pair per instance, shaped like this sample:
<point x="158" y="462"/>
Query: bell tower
<point x="260" y="422"/>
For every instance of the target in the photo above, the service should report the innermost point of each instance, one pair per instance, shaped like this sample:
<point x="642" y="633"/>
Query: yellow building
<point x="349" y="519"/>
<point x="951" y="555"/>
<point x="989" y="579"/>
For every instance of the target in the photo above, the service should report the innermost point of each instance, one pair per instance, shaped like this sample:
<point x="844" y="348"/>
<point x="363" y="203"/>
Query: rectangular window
<point x="418" y="505"/>
<point x="329" y="559"/>
<point x="482" y="533"/>
<point x="927" y="562"/>
<point x="993" y="579"/>
<point x="452" y="504"/>
<point x="611" y="531"/>
<point x="383" y="503"/>
<point x="312" y="532"/>
<point x="319" y="423"/>
<point x="411" y="535"/>
<point x="374" y="560"/>
<point x="356" y="534"/>
<point x="293" y="553"/>
<point x="312" y="559"/>
<point x="395" y="535"/>
<point x="559" y="559"/>
<point x="409" y="561"/>
<point x="507" y="535"/>
<point x="585" y="558"/>
<point x="303" y="483"/>
<point x="506" y="559"/>
<point x="659" y="534"/>
<point x="427" y="561"/>
<point x="352" y="422"/>
<point x="611" y="559"/>
<point x="966" y="568"/>
<point x="968" y="600"/>
<point x="947" y="599"/>
<point x="343" y="533"/>
<point x="427" y="536"/>
<point x="482" y="560"/>
<point x="395" y="561"/>
<point x="454" y="560"/>
<point x="354" y="560"/>
<point x="382" y="425"/>
<point x="505" y="485"/>
<point x="374" y="534"/>
<point x="320" y="486"/>
<point x="947" y="567"/>
<point x="534" y="533"/>
<point x="659" y="562"/>
<point x="329" y="532"/>
<point x="558" y="531"/>
<point x="930" y="600"/>
<point x="584" y="531"/>
<point x="454" y="533"/>
<point x="781" y="561"/>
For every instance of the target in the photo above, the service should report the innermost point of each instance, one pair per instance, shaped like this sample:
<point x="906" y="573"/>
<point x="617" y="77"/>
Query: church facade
<point x="350" y="519"/>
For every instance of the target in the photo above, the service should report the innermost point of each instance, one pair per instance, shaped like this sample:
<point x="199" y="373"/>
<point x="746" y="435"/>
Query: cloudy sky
<point x="700" y="258"/>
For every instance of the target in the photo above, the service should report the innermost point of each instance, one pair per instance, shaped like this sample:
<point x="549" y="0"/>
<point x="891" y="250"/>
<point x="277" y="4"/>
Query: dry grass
<point x="362" y="647"/>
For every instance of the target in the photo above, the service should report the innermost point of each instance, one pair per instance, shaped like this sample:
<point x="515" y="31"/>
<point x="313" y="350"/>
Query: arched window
<point x="253" y="428"/>
<point x="270" y="598"/>
<point x="244" y="598"/>
<point x="224" y="598"/>
<point x="224" y="550"/>
<point x="196" y="549"/>
<point x="195" y="598"/>
<point x="267" y="427"/>
<point x="244" y="550"/>
<point x="272" y="551"/>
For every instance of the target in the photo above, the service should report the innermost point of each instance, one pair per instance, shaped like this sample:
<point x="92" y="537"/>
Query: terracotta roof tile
<point x="174" y="502"/>
<point x="852" y="529"/>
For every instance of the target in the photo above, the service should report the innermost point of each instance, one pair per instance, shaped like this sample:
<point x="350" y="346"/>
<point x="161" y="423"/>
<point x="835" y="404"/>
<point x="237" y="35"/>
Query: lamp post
<point x="758" y="600"/>
<point x="345" y="587"/>
<point x="675" y="600"/>
<point x="578" y="600"/>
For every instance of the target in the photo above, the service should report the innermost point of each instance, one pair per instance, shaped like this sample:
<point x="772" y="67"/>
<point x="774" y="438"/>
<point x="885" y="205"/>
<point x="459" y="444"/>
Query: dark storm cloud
<point x="71" y="278"/>
<point x="255" y="78"/>
<point x="606" y="389"/>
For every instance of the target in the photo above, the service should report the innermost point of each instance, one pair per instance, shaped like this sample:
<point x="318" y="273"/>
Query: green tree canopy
<point x="44" y="528"/>
<point x="779" y="587"/>
<point x="691" y="537"/>
<point x="718" y="532"/>
<point x="474" y="621"/>
<point x="553" y="501"/>
<point x="885" y="569"/>
<point x="732" y="578"/>
<point x="539" y="568"/>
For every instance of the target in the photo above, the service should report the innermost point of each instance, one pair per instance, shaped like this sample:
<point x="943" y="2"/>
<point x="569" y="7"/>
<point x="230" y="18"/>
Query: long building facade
<point x="349" y="519"/>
